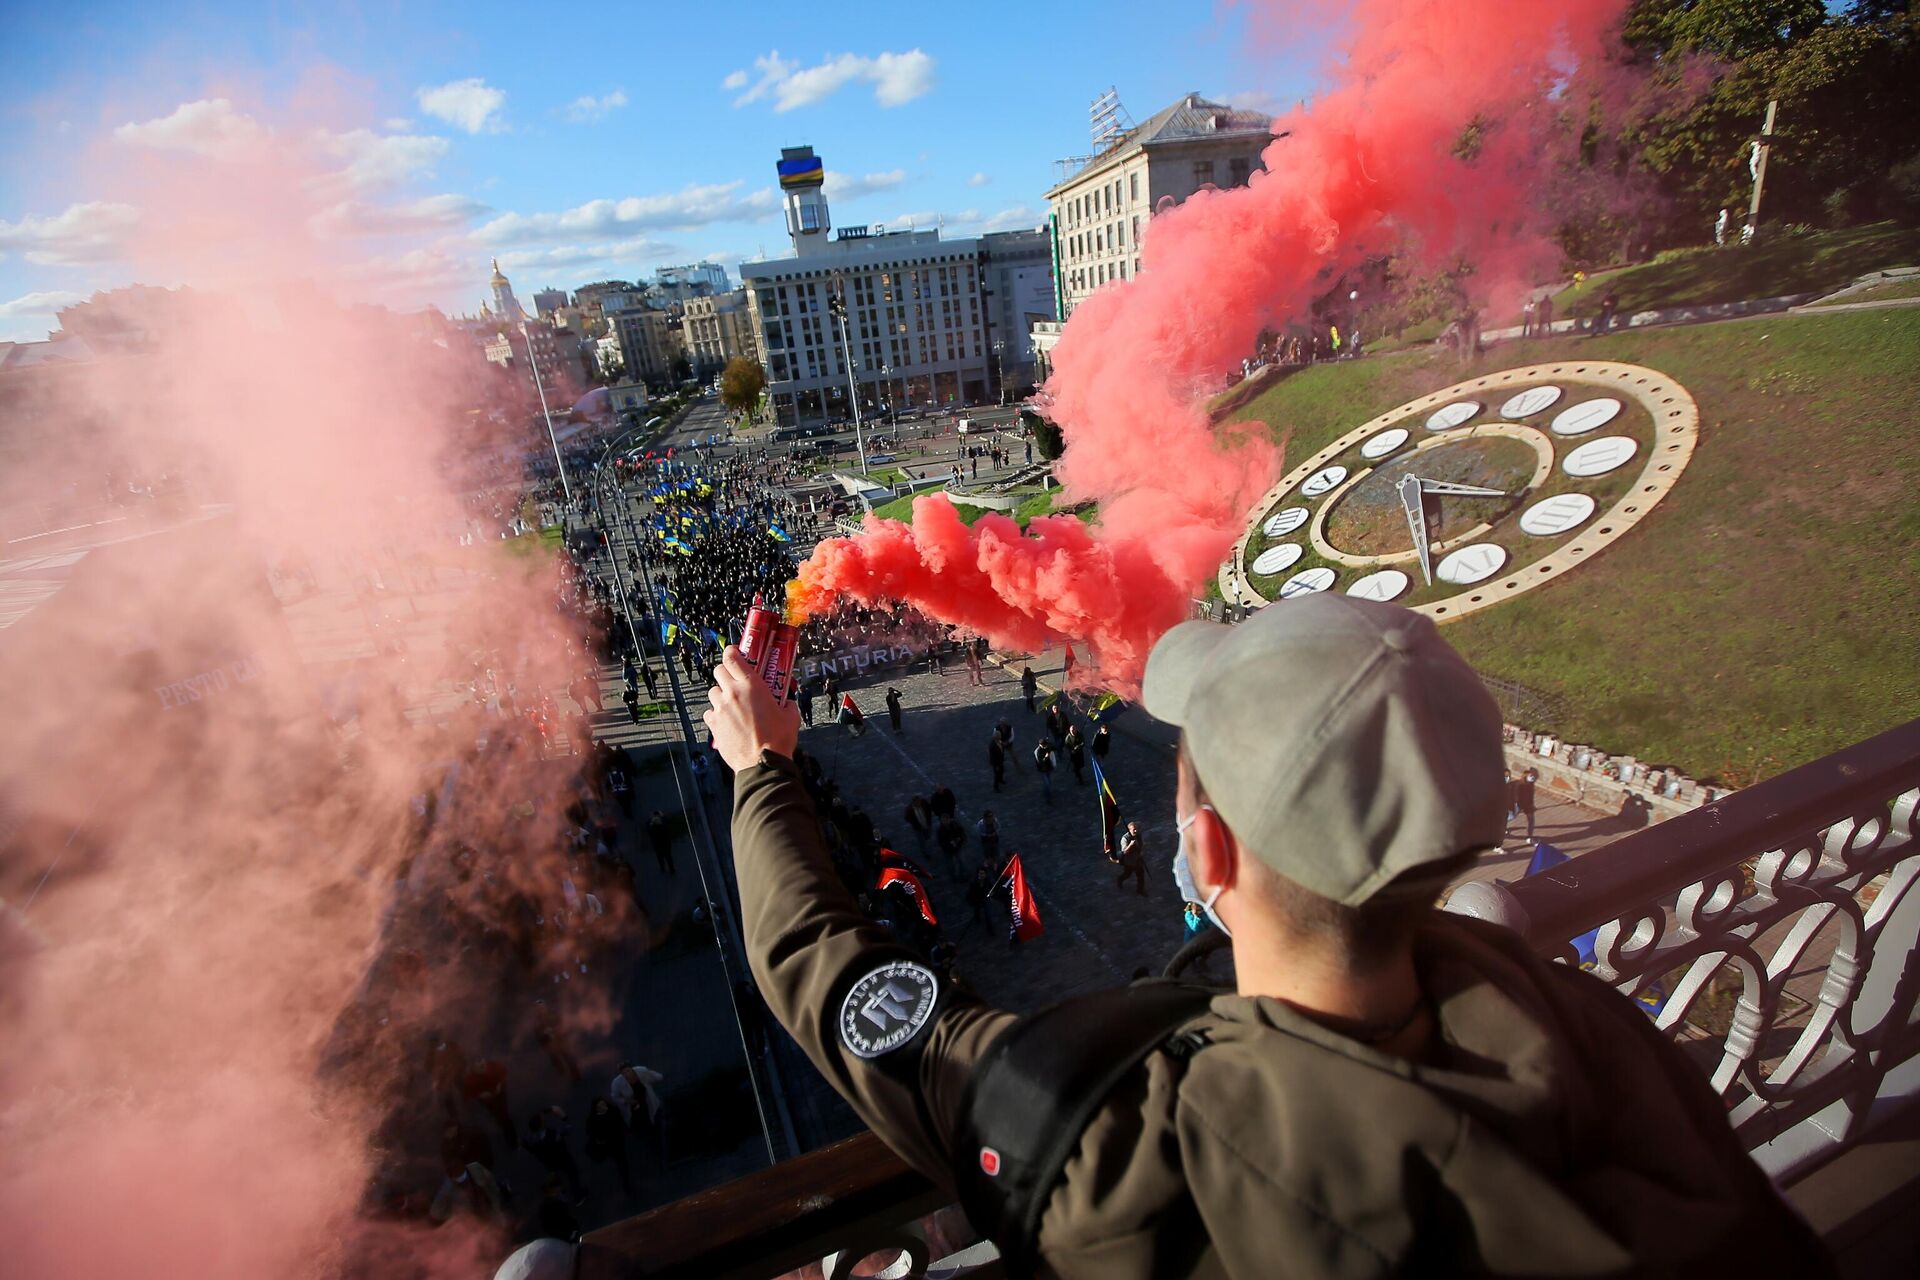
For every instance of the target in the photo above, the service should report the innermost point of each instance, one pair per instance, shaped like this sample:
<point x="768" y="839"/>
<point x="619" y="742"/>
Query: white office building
<point x="916" y="320"/>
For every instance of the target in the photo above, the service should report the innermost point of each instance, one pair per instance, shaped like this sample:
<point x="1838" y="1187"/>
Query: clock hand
<point x="1414" y="504"/>
<point x="1457" y="490"/>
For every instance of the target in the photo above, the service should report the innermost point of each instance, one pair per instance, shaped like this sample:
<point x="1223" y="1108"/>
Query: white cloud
<point x="845" y="186"/>
<point x="377" y="161"/>
<point x="896" y="78"/>
<point x="81" y="233"/>
<point x="691" y="206"/>
<point x="587" y="109"/>
<point x="471" y="104"/>
<point x="43" y="303"/>
<point x="396" y="124"/>
<point x="447" y="212"/>
<point x="209" y="127"/>
<point x="978" y="180"/>
<point x="1018" y="217"/>
<point x="611" y="253"/>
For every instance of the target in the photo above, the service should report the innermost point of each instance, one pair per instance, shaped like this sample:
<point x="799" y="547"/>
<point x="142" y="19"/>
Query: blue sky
<point x="582" y="143"/>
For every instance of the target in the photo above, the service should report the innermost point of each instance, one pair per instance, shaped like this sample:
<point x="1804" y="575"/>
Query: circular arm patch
<point x="887" y="1008"/>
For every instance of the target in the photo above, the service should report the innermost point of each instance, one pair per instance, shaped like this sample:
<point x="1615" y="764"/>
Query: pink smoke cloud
<point x="201" y="858"/>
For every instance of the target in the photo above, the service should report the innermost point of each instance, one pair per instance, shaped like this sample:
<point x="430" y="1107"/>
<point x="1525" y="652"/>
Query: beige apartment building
<point x="1100" y="212"/>
<point x="717" y="328"/>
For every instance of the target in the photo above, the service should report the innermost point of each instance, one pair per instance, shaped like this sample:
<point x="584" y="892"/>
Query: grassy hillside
<point x="1780" y="264"/>
<point x="1768" y="611"/>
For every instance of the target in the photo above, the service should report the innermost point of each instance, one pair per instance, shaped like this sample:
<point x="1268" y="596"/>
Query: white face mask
<point x="1183" y="873"/>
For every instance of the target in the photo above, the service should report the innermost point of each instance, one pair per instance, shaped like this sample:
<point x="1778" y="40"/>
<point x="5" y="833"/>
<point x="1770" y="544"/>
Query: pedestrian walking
<point x="546" y="1141"/>
<point x="973" y="667"/>
<point x="893" y="707"/>
<point x="486" y="1086"/>
<point x="997" y="761"/>
<point x="933" y="661"/>
<point x="701" y="769"/>
<point x="607" y="1141"/>
<point x="660" y="836"/>
<point x="1057" y="721"/>
<point x="1132" y="859"/>
<point x="978" y="891"/>
<point x="1076" y="752"/>
<point x="1029" y="687"/>
<point x="1004" y="732"/>
<point x="806" y="704"/>
<point x="1544" y="324"/>
<point x="1043" y="765"/>
<point x="1102" y="743"/>
<point x="1609" y="303"/>
<point x="552" y="1037"/>
<point x="631" y="696"/>
<point x="952" y="840"/>
<point x="1526" y="319"/>
<point x="919" y="819"/>
<point x="638" y="1100"/>
<point x="942" y="802"/>
<point x="987" y="832"/>
<point x="1522" y="800"/>
<point x="851" y="716"/>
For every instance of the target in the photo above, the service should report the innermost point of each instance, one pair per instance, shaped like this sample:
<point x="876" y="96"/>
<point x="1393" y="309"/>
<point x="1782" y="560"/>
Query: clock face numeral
<point x="1553" y="516"/>
<point x="1588" y="415"/>
<point x="1306" y="582"/>
<point x="1384" y="443"/>
<point x="1597" y="457"/>
<point x="1321" y="481"/>
<point x="1471" y="564"/>
<point x="1388" y="584"/>
<point x="1282" y="523"/>
<point x="1529" y="402"/>
<point x="1457" y="414"/>
<point x="1275" y="559"/>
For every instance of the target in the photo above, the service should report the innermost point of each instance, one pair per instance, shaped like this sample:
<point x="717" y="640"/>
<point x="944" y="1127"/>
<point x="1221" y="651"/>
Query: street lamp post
<point x="1000" y="363"/>
<point x="886" y="383"/>
<point x="547" y="413"/>
<point x="837" y="304"/>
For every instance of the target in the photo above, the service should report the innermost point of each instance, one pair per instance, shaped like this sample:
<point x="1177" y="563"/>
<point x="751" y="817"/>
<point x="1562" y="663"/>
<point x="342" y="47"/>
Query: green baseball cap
<point x="1342" y="740"/>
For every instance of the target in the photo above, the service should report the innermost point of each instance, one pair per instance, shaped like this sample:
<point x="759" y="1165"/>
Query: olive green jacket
<point x="1554" y="1132"/>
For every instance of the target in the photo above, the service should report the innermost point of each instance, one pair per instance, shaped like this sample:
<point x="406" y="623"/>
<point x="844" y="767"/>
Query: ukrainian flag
<point x="808" y="171"/>
<point x="778" y="534"/>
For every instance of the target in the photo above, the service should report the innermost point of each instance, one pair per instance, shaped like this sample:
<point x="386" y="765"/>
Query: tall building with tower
<point x="919" y="310"/>
<point x="803" y="179"/>
<point x="505" y="304"/>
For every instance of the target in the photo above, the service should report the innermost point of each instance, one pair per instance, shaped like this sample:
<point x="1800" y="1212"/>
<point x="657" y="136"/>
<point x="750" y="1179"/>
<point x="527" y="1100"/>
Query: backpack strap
<point x="1038" y="1086"/>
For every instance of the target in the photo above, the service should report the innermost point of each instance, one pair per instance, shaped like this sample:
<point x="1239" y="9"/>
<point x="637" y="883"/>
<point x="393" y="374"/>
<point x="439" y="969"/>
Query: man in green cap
<point x="1389" y="1089"/>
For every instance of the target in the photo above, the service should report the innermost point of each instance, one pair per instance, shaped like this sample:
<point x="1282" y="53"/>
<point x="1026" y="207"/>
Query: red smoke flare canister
<point x="770" y="644"/>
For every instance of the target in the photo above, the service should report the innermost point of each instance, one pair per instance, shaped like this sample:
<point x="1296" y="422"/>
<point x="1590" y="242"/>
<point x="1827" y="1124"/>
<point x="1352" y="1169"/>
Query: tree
<point x="741" y="384"/>
<point x="1047" y="440"/>
<point x="1843" y="79"/>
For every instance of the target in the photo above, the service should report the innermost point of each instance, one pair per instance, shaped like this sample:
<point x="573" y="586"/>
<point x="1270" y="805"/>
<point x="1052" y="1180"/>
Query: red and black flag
<point x="911" y="883"/>
<point x="1026" y="911"/>
<point x="1109" y="812"/>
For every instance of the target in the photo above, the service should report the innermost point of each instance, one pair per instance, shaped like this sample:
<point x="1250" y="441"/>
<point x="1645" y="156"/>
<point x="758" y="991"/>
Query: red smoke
<point x="1370" y="165"/>
<point x="207" y="781"/>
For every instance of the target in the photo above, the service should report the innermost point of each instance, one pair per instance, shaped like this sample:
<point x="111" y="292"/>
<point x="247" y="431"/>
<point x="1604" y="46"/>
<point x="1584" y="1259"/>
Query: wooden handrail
<point x="768" y="1222"/>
